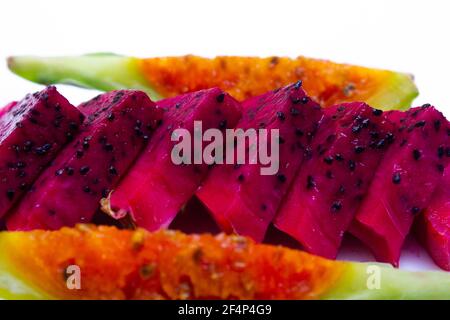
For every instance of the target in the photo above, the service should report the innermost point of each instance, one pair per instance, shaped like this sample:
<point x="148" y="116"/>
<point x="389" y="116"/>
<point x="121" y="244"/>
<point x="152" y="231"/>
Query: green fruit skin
<point x="106" y="71"/>
<point x="102" y="71"/>
<point x="397" y="94"/>
<point x="358" y="283"/>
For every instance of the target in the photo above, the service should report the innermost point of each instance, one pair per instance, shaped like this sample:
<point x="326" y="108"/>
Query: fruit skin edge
<point x="107" y="71"/>
<point x="13" y="286"/>
<point x="102" y="71"/>
<point x="385" y="97"/>
<point x="346" y="280"/>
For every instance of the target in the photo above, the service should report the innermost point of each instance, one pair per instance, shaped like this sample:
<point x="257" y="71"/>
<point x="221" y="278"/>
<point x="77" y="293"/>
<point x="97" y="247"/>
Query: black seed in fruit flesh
<point x="396" y="178"/>
<point x="416" y="154"/>
<point x="336" y="206"/>
<point x="220" y="97"/>
<point x="84" y="170"/>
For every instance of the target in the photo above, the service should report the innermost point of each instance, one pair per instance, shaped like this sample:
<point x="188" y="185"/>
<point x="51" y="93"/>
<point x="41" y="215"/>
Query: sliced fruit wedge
<point x="404" y="181"/>
<point x="243" y="197"/>
<point x="32" y="133"/>
<point x="118" y="127"/>
<point x="326" y="194"/>
<point x="90" y="262"/>
<point x="433" y="226"/>
<point x="326" y="82"/>
<point x="155" y="188"/>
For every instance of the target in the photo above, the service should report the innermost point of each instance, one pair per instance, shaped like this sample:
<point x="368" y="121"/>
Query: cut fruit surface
<point x="433" y="225"/>
<point x="326" y="82"/>
<point x="125" y="264"/>
<point x="240" y="196"/>
<point x="156" y="188"/>
<point x="32" y="132"/>
<point x="118" y="126"/>
<point x="6" y="108"/>
<point x="330" y="186"/>
<point x="404" y="182"/>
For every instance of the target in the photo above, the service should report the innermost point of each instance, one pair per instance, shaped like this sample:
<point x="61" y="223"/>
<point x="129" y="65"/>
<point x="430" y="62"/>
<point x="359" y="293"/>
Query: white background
<point x="410" y="36"/>
<point x="405" y="35"/>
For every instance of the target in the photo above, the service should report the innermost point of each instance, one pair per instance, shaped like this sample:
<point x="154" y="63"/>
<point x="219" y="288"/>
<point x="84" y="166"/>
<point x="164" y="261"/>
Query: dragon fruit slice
<point x="330" y="186"/>
<point x="155" y="189"/>
<point x="32" y="132"/>
<point x="117" y="128"/>
<point x="434" y="225"/>
<point x="404" y="182"/>
<point x="239" y="197"/>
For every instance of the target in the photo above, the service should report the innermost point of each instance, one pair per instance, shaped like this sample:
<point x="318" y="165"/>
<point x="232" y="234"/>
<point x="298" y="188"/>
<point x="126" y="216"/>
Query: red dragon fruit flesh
<point x="240" y="198"/>
<point x="117" y="127"/>
<point x="329" y="187"/>
<point x="404" y="182"/>
<point x="433" y="226"/>
<point x="7" y="108"/>
<point x="155" y="189"/>
<point x="32" y="132"/>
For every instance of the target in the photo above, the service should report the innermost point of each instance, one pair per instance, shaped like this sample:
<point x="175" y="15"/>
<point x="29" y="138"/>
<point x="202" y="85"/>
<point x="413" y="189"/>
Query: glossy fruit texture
<point x="6" y="108"/>
<point x="239" y="196"/>
<point x="404" y="182"/>
<point x="433" y="225"/>
<point x="330" y="186"/>
<point x="32" y="132"/>
<point x="326" y="82"/>
<point x="117" y="128"/>
<point x="155" y="189"/>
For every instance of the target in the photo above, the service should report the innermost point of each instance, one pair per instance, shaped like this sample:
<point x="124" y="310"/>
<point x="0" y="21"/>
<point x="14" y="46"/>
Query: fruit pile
<point x="346" y="167"/>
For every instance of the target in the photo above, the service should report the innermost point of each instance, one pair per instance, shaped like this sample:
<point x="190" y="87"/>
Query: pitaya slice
<point x="116" y="130"/>
<point x="239" y="197"/>
<point x="434" y="225"/>
<point x="404" y="182"/>
<point x="155" y="189"/>
<point x="330" y="186"/>
<point x="32" y="132"/>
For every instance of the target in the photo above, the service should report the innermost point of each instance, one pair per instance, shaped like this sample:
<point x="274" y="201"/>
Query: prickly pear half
<point x="117" y="128"/>
<point x="404" y="182"/>
<point x="240" y="197"/>
<point x="135" y="264"/>
<point x="32" y="132"/>
<point x="326" y="82"/>
<point x="433" y="226"/>
<point x="329" y="187"/>
<point x="156" y="188"/>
